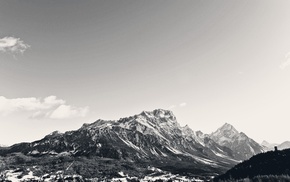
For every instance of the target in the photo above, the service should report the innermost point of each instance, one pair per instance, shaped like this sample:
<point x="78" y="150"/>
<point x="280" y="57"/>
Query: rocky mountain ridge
<point x="150" y="138"/>
<point x="242" y="146"/>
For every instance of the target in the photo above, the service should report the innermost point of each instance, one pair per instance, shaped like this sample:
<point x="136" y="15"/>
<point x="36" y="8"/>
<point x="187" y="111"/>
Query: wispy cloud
<point x="49" y="107"/>
<point x="183" y="104"/>
<point x="286" y="62"/>
<point x="13" y="45"/>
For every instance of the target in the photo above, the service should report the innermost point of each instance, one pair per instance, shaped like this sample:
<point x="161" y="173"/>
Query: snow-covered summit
<point x="226" y="130"/>
<point x="187" y="130"/>
<point x="243" y="146"/>
<point x="159" y="115"/>
<point x="163" y="125"/>
<point x="225" y="134"/>
<point x="54" y="133"/>
<point x="149" y="135"/>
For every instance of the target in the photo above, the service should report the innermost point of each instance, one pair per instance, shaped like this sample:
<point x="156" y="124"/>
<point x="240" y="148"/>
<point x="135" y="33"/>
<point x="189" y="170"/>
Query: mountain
<point x="264" y="165"/>
<point x="270" y="146"/>
<point x="242" y="146"/>
<point x="147" y="144"/>
<point x="129" y="145"/>
<point x="284" y="145"/>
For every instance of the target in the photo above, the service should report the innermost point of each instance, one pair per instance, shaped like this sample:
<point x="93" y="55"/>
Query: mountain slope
<point x="149" y="138"/>
<point x="268" y="146"/>
<point x="242" y="146"/>
<point x="269" y="163"/>
<point x="284" y="145"/>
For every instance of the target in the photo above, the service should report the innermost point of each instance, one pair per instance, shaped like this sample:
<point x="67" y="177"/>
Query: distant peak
<point x="285" y="143"/>
<point x="227" y="130"/>
<point x="159" y="113"/>
<point x="242" y="134"/>
<point x="54" y="133"/>
<point x="199" y="133"/>
<point x="186" y="126"/>
<point x="264" y="142"/>
<point x="228" y="126"/>
<point x="162" y="111"/>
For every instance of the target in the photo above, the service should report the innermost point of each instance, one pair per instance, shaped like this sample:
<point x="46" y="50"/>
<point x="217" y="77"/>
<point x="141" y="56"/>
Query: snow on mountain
<point x="154" y="138"/>
<point x="225" y="134"/>
<point x="150" y="138"/>
<point x="242" y="146"/>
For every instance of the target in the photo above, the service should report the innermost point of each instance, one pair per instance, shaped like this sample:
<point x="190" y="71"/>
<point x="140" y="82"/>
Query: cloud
<point x="67" y="111"/>
<point x="183" y="104"/>
<point x="286" y="62"/>
<point x="52" y="100"/>
<point x="27" y="104"/>
<point x="38" y="115"/>
<point x="180" y="105"/>
<point x="49" y="107"/>
<point x="13" y="45"/>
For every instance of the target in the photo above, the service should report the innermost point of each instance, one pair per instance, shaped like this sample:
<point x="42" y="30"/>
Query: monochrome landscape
<point x="135" y="90"/>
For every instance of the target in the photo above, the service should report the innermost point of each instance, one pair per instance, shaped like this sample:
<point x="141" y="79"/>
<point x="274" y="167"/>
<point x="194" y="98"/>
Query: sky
<point x="68" y="62"/>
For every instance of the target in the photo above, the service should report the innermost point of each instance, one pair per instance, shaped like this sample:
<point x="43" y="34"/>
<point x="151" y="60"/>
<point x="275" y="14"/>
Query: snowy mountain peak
<point x="157" y="116"/>
<point x="227" y="127"/>
<point x="149" y="138"/>
<point x="227" y="131"/>
<point x="54" y="133"/>
<point x="161" y="113"/>
<point x="187" y="130"/>
<point x="265" y="143"/>
<point x="240" y="143"/>
<point x="186" y="127"/>
<point x="199" y="133"/>
<point x="152" y="137"/>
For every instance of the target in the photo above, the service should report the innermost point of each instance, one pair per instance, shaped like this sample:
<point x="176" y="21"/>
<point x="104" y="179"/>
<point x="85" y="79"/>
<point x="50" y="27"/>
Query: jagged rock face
<point x="150" y="137"/>
<point x="242" y="146"/>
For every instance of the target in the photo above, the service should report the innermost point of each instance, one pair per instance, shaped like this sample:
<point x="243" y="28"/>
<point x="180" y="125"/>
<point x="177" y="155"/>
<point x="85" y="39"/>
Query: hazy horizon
<point x="64" y="63"/>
